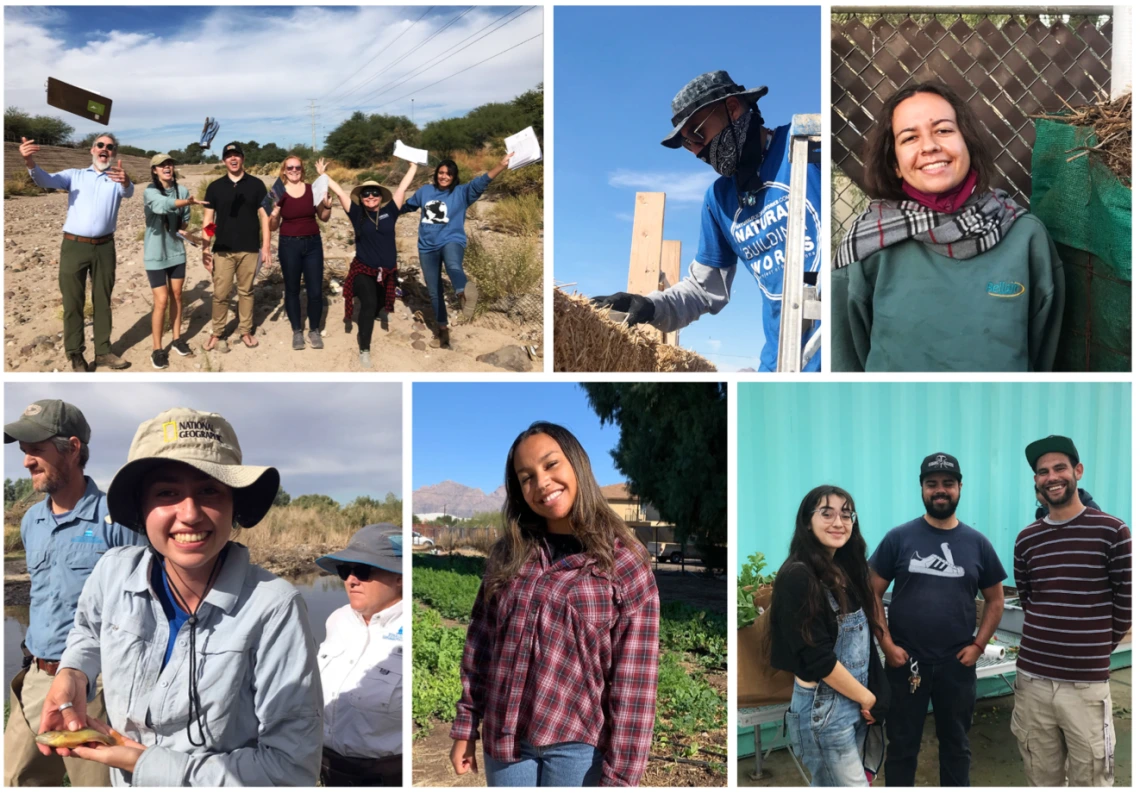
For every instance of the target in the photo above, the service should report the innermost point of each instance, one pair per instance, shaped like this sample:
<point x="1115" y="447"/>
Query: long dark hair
<point x="835" y="574"/>
<point x="157" y="183"/>
<point x="593" y="521"/>
<point x="879" y="161"/>
<point x="452" y="168"/>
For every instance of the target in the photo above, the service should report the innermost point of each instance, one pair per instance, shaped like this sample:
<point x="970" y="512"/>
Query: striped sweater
<point x="1075" y="583"/>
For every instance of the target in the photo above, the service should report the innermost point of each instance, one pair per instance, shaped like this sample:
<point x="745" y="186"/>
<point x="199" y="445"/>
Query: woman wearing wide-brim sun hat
<point x="371" y="281"/>
<point x="362" y="663"/>
<point x="209" y="667"/>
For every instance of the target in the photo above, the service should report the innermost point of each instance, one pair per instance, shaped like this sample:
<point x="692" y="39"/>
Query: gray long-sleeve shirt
<point x="257" y="675"/>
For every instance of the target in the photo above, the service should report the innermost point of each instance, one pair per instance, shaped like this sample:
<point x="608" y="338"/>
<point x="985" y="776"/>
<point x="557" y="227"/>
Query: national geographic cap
<point x="47" y="419"/>
<point x="204" y="441"/>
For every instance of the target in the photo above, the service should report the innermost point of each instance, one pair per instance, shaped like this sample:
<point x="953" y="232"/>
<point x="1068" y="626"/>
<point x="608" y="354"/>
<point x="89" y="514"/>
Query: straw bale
<point x="1111" y="123"/>
<point x="587" y="340"/>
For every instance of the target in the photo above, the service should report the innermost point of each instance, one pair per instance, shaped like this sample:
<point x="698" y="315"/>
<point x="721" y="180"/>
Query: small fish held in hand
<point x="69" y="739"/>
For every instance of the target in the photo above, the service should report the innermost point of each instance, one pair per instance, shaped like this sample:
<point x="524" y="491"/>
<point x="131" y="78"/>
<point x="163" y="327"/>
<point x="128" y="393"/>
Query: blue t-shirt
<point x="757" y="235"/>
<point x="442" y="212"/>
<point x="937" y="574"/>
<point x="175" y="616"/>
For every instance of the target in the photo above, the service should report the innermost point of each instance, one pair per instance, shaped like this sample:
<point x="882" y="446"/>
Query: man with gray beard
<point x="88" y="243"/>
<point x="64" y="535"/>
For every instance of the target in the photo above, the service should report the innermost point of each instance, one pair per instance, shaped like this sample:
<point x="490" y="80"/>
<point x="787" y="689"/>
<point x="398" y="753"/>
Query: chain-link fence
<point x="1006" y="66"/>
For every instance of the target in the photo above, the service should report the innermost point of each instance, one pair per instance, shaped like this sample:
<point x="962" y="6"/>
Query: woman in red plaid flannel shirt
<point x="561" y="658"/>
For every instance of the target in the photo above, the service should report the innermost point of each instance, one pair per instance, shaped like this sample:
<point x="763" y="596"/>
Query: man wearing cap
<point x="745" y="214"/>
<point x="1073" y="569"/>
<point x="88" y="246"/>
<point x="938" y="564"/>
<point x="242" y="232"/>
<point x="64" y="536"/>
<point x="361" y="662"/>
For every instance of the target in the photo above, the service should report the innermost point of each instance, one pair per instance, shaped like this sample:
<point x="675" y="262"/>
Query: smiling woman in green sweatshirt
<point x="942" y="272"/>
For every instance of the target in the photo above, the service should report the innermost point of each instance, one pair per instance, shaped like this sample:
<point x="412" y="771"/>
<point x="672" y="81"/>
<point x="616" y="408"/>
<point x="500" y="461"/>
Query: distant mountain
<point x="456" y="499"/>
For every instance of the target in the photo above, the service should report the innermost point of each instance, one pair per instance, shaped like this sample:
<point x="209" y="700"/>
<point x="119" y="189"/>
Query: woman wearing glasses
<point x="300" y="249"/>
<point x="372" y="209"/>
<point x="361" y="662"/>
<point x="822" y="616"/>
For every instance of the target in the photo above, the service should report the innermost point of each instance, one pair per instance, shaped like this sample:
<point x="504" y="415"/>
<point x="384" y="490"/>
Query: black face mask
<point x="738" y="151"/>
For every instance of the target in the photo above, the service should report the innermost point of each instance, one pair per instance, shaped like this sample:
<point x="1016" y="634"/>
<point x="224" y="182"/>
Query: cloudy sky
<point x="256" y="68"/>
<point x="305" y="430"/>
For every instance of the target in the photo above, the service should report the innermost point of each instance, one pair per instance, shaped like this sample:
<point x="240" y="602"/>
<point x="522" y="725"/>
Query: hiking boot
<point x="365" y="360"/>
<point x="315" y="340"/>
<point x="298" y="340"/>
<point x="158" y="359"/>
<point x="181" y="347"/>
<point x="111" y="361"/>
<point x="468" y="298"/>
<point x="445" y="338"/>
<point x="384" y="320"/>
<point x="78" y="362"/>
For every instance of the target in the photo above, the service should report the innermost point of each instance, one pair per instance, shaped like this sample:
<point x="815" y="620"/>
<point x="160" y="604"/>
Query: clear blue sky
<point x="463" y="431"/>
<point x="616" y="71"/>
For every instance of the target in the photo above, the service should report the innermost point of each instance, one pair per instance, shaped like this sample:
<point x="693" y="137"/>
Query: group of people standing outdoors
<point x="183" y="661"/>
<point x="1073" y="572"/>
<point x="239" y="219"/>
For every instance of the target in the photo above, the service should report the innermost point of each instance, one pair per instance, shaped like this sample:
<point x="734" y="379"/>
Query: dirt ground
<point x="996" y="759"/>
<point x="33" y="319"/>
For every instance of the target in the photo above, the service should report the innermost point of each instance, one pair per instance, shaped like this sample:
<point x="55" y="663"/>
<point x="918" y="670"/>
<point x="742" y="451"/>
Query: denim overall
<point x="825" y="728"/>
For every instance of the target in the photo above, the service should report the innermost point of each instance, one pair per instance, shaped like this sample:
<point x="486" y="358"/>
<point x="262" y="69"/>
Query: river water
<point x="323" y="594"/>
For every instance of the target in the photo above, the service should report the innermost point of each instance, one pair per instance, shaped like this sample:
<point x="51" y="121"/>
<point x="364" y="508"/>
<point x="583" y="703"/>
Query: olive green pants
<point x="24" y="766"/>
<point x="76" y="260"/>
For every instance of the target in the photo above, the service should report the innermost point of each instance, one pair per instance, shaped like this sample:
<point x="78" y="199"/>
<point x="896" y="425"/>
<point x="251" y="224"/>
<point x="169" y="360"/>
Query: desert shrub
<point x="479" y="539"/>
<point x="520" y="215"/>
<point x="513" y="268"/>
<point x="21" y="184"/>
<point x="523" y="181"/>
<point x="13" y="542"/>
<point x="365" y="511"/>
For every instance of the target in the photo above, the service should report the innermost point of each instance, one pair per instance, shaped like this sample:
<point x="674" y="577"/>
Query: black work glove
<point x="639" y="309"/>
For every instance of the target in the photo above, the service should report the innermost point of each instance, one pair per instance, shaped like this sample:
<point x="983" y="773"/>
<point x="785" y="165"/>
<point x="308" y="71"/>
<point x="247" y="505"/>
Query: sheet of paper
<point x="404" y="152"/>
<point x="525" y="147"/>
<point x="320" y="189"/>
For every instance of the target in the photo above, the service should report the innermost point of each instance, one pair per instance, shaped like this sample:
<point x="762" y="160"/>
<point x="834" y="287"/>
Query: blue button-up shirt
<point x="92" y="201"/>
<point x="256" y="667"/>
<point x="60" y="557"/>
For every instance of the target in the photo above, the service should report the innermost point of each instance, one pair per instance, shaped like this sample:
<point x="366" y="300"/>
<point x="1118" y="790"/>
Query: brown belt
<point x="51" y="667"/>
<point x="89" y="240"/>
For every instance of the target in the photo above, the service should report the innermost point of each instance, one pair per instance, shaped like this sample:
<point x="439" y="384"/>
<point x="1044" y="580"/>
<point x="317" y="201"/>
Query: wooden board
<point x="670" y="274"/>
<point x="645" y="252"/>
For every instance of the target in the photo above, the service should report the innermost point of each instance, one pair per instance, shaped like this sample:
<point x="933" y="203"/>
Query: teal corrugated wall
<point x="870" y="438"/>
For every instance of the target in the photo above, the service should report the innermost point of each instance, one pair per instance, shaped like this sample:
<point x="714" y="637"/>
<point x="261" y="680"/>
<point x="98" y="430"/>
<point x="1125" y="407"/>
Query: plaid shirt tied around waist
<point x="566" y="652"/>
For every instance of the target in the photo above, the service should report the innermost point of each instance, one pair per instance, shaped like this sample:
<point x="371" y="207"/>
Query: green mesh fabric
<point x="1088" y="213"/>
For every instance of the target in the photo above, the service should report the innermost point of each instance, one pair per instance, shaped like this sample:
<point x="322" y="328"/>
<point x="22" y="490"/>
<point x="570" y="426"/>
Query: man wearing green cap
<point x="1073" y="569"/>
<point x="64" y="536"/>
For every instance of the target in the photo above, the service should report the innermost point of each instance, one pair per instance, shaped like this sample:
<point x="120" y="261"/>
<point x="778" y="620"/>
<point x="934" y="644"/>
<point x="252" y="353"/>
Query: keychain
<point x="915" y="678"/>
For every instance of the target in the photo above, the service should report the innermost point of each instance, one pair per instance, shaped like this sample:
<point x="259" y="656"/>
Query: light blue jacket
<point x="60" y="557"/>
<point x="92" y="198"/>
<point x="256" y="668"/>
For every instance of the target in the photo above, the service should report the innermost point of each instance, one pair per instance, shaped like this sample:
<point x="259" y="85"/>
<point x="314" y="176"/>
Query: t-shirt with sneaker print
<point x="936" y="573"/>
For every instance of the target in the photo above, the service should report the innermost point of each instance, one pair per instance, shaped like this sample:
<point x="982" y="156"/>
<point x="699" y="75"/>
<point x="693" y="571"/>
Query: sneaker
<point x="365" y="360"/>
<point x="941" y="566"/>
<point x="78" y="362"/>
<point x="298" y="340"/>
<point x="111" y="361"/>
<point x="315" y="340"/>
<point x="158" y="359"/>
<point x="445" y="338"/>
<point x="468" y="298"/>
<point x="181" y="347"/>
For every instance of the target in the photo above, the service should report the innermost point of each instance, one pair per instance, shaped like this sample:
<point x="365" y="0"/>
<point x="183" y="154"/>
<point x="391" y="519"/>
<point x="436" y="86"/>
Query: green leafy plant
<point x="437" y="652"/>
<point x="751" y="576"/>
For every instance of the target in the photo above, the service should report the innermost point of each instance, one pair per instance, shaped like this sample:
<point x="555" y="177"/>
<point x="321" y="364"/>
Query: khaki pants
<point x="227" y="266"/>
<point x="1064" y="730"/>
<point x="24" y="766"/>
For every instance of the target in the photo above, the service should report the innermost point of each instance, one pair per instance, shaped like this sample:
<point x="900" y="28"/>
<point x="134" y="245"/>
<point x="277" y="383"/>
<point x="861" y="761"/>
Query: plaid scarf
<point x="978" y="226"/>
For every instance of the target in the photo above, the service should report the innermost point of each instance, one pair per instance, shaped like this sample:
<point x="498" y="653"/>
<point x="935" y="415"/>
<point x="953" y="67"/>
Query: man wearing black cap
<point x="235" y="204"/>
<point x="64" y="535"/>
<point x="745" y="215"/>
<point x="938" y="565"/>
<point x="1073" y="569"/>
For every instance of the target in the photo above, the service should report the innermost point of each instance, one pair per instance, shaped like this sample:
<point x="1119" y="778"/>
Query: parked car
<point x="419" y="540"/>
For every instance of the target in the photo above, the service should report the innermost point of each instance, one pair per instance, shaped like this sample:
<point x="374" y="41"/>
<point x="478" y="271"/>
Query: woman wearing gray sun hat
<point x="361" y="663"/>
<point x="209" y="668"/>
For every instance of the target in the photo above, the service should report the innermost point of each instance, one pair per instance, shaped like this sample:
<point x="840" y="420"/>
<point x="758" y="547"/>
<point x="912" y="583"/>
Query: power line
<point x="365" y="61"/>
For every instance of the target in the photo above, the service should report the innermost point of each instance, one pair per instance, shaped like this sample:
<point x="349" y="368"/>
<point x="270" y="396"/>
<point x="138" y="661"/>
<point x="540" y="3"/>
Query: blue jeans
<point x="450" y="256"/>
<point x="302" y="256"/>
<point x="558" y="765"/>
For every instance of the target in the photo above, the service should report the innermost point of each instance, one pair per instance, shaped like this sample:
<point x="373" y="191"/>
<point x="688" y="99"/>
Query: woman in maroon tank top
<point x="300" y="250"/>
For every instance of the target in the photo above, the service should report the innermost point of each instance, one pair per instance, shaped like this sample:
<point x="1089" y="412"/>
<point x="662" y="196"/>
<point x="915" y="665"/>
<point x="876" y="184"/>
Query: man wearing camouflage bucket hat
<point x="63" y="535"/>
<point x="361" y="662"/>
<point x="208" y="664"/>
<point x="745" y="214"/>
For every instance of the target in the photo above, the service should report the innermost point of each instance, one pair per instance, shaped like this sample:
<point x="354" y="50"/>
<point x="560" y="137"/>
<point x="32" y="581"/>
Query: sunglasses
<point x="293" y="168"/>
<point x="101" y="145"/>
<point x="362" y="571"/>
<point x="370" y="192"/>
<point x="697" y="140"/>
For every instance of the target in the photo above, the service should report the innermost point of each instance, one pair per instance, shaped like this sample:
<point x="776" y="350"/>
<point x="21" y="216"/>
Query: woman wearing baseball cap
<point x="209" y="668"/>
<point x="361" y="662"/>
